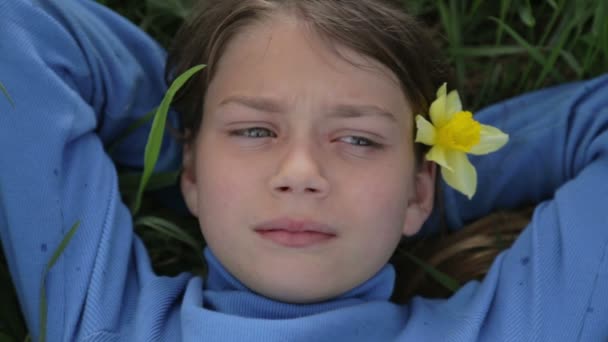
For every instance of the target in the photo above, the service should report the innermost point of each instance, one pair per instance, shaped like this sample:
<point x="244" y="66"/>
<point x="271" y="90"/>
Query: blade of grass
<point x="488" y="84"/>
<point x="553" y="56"/>
<point x="552" y="3"/>
<point x="475" y="7"/>
<point x="43" y="307"/>
<point x="532" y="51"/>
<point x="525" y="14"/>
<point x="129" y="130"/>
<point x="157" y="131"/>
<point x="590" y="61"/>
<point x="572" y="63"/>
<point x="442" y="278"/>
<point x="6" y="94"/>
<point x="168" y="228"/>
<point x="487" y="50"/>
<point x="557" y="10"/>
<point x="178" y="8"/>
<point x="504" y="7"/>
<point x="449" y="19"/>
<point x="129" y="182"/>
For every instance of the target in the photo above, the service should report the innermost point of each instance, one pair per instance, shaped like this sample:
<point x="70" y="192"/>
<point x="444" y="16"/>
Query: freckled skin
<point x="306" y="166"/>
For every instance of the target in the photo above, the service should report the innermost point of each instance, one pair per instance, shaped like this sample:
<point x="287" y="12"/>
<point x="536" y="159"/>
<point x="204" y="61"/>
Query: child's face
<point x="296" y="138"/>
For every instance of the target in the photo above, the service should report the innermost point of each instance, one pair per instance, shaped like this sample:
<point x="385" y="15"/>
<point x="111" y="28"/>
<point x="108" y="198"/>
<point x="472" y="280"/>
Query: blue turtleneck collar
<point x="224" y="293"/>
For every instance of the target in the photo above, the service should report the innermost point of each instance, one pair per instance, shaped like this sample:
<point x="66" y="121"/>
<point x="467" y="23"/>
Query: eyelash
<point x="254" y="133"/>
<point x="246" y="133"/>
<point x="367" y="143"/>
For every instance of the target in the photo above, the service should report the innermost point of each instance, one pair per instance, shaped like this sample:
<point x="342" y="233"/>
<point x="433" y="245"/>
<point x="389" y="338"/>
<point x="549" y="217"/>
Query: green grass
<point x="6" y="94"/>
<point x="498" y="49"/>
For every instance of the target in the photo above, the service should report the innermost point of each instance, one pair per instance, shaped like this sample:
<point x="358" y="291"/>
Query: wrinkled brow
<point x="339" y="111"/>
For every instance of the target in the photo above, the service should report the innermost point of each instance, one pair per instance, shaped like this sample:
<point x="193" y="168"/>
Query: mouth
<point x="295" y="233"/>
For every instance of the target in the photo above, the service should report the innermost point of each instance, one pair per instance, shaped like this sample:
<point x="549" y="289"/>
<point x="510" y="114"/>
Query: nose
<point x="300" y="172"/>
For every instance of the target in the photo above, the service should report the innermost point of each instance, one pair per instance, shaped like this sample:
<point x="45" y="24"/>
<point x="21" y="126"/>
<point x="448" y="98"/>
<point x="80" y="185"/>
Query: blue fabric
<point x="79" y="74"/>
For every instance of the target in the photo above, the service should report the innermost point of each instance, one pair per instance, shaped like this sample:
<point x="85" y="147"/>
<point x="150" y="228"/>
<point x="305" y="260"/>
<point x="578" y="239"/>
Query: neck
<point x="225" y="293"/>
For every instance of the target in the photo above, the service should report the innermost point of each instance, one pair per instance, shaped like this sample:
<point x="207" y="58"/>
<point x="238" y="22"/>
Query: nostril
<point x="284" y="189"/>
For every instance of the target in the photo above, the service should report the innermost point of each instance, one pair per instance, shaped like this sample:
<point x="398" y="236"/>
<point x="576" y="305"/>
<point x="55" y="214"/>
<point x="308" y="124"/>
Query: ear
<point x="188" y="179"/>
<point x="420" y="205"/>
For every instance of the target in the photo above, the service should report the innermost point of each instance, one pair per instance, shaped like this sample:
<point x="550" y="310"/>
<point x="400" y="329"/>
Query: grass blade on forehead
<point x="155" y="138"/>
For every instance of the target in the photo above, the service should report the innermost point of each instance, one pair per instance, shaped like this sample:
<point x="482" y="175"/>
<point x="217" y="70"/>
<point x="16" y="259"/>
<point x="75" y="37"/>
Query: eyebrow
<point x="356" y="111"/>
<point x="258" y="103"/>
<point x="338" y="111"/>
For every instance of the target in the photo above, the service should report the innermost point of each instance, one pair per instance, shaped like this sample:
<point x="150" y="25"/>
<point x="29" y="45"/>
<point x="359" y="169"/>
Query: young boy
<point x="297" y="135"/>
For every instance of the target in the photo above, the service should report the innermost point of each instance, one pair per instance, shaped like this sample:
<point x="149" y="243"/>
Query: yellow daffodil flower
<point x="453" y="133"/>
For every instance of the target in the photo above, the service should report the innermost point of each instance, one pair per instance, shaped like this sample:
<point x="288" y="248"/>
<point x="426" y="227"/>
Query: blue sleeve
<point x="78" y="74"/>
<point x="553" y="281"/>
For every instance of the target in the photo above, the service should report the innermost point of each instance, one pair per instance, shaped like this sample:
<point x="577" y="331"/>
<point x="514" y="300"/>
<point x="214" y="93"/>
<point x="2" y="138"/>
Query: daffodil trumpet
<point x="452" y="134"/>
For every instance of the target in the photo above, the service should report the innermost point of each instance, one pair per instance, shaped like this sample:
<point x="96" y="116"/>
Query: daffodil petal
<point x="438" y="108"/>
<point x="443" y="90"/>
<point x="438" y="155"/>
<point x="453" y="104"/>
<point x="490" y="140"/>
<point x="462" y="176"/>
<point x="425" y="131"/>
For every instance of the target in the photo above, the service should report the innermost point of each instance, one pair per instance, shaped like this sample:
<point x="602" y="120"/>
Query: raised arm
<point x="555" y="133"/>
<point x="552" y="284"/>
<point x="78" y="75"/>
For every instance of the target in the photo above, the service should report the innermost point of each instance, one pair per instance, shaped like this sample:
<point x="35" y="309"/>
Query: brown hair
<point x="379" y="29"/>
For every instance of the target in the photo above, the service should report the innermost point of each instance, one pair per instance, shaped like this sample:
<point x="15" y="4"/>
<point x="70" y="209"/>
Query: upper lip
<point x="295" y="225"/>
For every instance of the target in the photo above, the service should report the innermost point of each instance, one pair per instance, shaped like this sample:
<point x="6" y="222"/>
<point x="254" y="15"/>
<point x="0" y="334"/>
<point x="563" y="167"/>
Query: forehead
<point x="283" y="57"/>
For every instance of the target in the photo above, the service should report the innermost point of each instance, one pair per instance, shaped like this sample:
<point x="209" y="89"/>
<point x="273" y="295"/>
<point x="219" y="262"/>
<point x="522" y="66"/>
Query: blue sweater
<point x="79" y="74"/>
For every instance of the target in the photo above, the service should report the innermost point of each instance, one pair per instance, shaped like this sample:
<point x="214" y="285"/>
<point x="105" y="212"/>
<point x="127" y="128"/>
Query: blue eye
<point x="254" y="132"/>
<point x="360" y="141"/>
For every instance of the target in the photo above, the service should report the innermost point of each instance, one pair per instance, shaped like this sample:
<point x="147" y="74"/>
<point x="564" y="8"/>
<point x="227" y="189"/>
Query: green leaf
<point x="129" y="182"/>
<point x="43" y="306"/>
<point x="155" y="137"/>
<point x="442" y="278"/>
<point x="572" y="62"/>
<point x="487" y="51"/>
<point x="525" y="14"/>
<point x="450" y="19"/>
<point x="178" y="8"/>
<point x="532" y="50"/>
<point x="129" y="130"/>
<point x="555" y="53"/>
<point x="5" y="92"/>
<point x="168" y="228"/>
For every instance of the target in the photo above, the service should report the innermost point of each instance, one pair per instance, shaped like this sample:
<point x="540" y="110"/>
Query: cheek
<point x="381" y="196"/>
<point x="220" y="184"/>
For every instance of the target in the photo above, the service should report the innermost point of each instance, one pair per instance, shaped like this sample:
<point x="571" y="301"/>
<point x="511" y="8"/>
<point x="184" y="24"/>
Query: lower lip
<point x="295" y="239"/>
